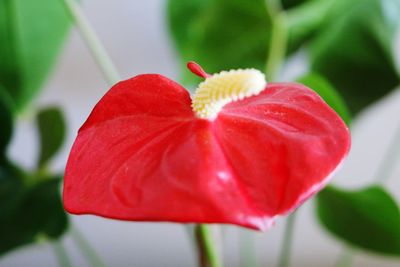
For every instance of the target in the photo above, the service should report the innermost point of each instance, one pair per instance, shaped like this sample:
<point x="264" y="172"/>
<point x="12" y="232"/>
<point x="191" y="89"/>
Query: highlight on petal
<point x="144" y="155"/>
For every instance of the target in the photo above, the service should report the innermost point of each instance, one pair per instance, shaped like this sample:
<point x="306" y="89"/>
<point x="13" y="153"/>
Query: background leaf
<point x="328" y="93"/>
<point x="44" y="199"/>
<point x="11" y="187"/>
<point x="220" y="34"/>
<point x="350" y="42"/>
<point x="31" y="35"/>
<point x="368" y="218"/>
<point x="6" y="123"/>
<point x="287" y="4"/>
<point x="52" y="128"/>
<point x="354" y="49"/>
<point x="38" y="213"/>
<point x="304" y="21"/>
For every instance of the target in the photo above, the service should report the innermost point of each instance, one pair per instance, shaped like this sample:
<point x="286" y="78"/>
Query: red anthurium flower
<point x="241" y="152"/>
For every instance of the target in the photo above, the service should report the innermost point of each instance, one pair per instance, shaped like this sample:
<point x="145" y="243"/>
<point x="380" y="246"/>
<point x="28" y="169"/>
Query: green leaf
<point x="11" y="187"/>
<point x="354" y="49"/>
<point x="38" y="213"/>
<point x="287" y="4"/>
<point x="44" y="208"/>
<point x="368" y="218"/>
<point x="304" y="21"/>
<point x="6" y="122"/>
<point x="328" y="93"/>
<point x="31" y="35"/>
<point x="220" y="34"/>
<point x="52" y="129"/>
<point x="12" y="193"/>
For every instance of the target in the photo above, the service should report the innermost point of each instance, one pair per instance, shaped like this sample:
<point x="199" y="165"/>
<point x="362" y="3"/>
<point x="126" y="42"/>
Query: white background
<point x="136" y="36"/>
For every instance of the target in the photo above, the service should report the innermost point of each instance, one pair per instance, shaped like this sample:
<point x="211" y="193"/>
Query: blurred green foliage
<point x="353" y="49"/>
<point x="220" y="34"/>
<point x="287" y="4"/>
<point x="31" y="212"/>
<point x="368" y="218"/>
<point x="52" y="128"/>
<point x="304" y="22"/>
<point x="12" y="181"/>
<point x="350" y="43"/>
<point x="350" y="50"/>
<point x="31" y="35"/>
<point x="5" y="122"/>
<point x="30" y="201"/>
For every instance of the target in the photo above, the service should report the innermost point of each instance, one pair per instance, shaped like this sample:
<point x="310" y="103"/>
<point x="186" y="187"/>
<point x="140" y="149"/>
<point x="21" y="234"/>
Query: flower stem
<point x="61" y="254"/>
<point x="111" y="75"/>
<point x="389" y="159"/>
<point x="284" y="258"/>
<point x="247" y="249"/>
<point x="208" y="255"/>
<point x="345" y="259"/>
<point x="92" y="41"/>
<point x="86" y="248"/>
<point x="277" y="46"/>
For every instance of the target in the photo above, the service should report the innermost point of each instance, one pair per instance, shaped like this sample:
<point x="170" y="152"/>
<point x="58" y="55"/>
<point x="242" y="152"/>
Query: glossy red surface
<point x="143" y="155"/>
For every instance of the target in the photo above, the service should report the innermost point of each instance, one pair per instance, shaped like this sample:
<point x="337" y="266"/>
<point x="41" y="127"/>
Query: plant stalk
<point x="284" y="258"/>
<point x="277" y="49"/>
<point x="345" y="259"/>
<point x="92" y="41"/>
<point x="61" y="254"/>
<point x="85" y="247"/>
<point x="111" y="75"/>
<point x="247" y="249"/>
<point x="389" y="159"/>
<point x="208" y="254"/>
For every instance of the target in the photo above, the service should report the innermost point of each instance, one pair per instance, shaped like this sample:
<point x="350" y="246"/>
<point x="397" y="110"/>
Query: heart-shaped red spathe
<point x="143" y="155"/>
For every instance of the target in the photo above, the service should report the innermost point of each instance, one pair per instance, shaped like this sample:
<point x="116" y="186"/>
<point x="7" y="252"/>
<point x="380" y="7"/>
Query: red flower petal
<point x="283" y="144"/>
<point x="143" y="155"/>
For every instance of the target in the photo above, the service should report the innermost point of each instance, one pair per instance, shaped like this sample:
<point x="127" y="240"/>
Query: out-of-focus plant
<point x="31" y="204"/>
<point x="31" y="36"/>
<point x="141" y="189"/>
<point x="349" y="45"/>
<point x="361" y="216"/>
<point x="347" y="41"/>
<point x="350" y="54"/>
